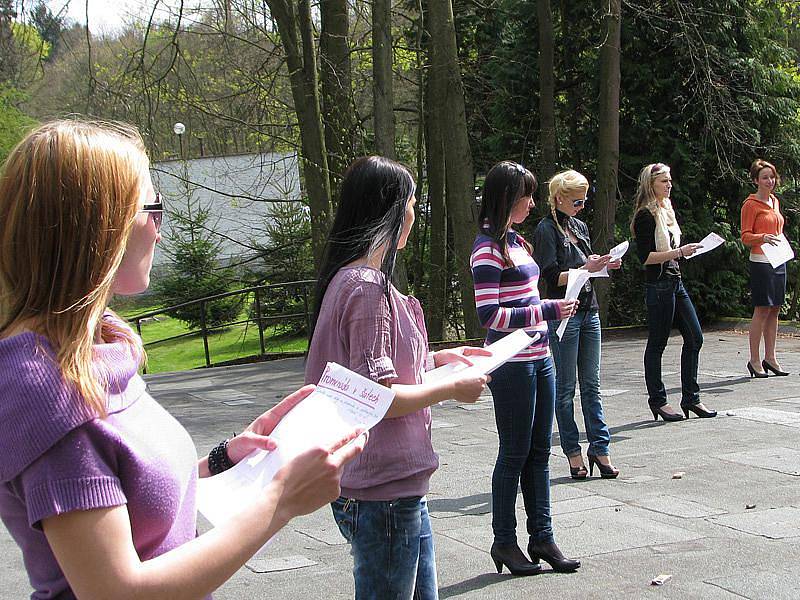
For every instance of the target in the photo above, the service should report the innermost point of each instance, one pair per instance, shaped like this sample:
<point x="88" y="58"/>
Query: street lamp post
<point x="179" y="129"/>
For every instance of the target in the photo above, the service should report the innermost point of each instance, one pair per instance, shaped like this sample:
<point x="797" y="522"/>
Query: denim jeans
<point x="577" y="356"/>
<point x="392" y="547"/>
<point x="524" y="396"/>
<point x="667" y="300"/>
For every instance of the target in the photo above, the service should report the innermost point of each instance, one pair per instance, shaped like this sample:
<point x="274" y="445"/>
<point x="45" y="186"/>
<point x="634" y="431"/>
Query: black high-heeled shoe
<point x="667" y="416"/>
<point x="549" y="552"/>
<point x="513" y="558"/>
<point x="754" y="373"/>
<point x="577" y="472"/>
<point x="768" y="367"/>
<point x="606" y="471"/>
<point x="700" y="412"/>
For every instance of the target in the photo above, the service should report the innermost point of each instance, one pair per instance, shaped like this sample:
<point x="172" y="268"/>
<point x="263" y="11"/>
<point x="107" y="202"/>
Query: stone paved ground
<point x="729" y="528"/>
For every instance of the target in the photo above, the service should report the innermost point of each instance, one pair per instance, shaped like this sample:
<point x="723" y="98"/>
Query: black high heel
<point x="667" y="416"/>
<point x="513" y="558"/>
<point x="549" y="552"/>
<point x="606" y="471"/>
<point x="754" y="373"/>
<point x="577" y="472"/>
<point x="700" y="412"/>
<point x="768" y="367"/>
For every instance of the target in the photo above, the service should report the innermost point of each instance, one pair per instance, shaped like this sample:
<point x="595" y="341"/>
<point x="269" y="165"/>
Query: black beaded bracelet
<point x="218" y="459"/>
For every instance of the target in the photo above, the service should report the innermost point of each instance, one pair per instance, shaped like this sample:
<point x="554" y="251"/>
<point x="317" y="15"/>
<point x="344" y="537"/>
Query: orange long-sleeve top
<point x="757" y="219"/>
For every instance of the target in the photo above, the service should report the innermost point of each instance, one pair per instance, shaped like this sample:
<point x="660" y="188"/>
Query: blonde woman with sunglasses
<point x="561" y="242"/>
<point x="97" y="483"/>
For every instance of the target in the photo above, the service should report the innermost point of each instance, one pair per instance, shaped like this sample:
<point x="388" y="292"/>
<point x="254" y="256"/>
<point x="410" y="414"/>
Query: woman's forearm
<point x="96" y="552"/>
<point x="411" y="398"/>
<point x="197" y="568"/>
<point x="657" y="258"/>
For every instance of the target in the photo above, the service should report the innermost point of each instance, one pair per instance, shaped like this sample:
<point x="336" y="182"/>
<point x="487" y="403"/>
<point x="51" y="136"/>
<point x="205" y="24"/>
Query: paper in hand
<point x="502" y="351"/>
<point x="342" y="402"/>
<point x="617" y="252"/>
<point x="780" y="253"/>
<point x="576" y="279"/>
<point x="707" y="244"/>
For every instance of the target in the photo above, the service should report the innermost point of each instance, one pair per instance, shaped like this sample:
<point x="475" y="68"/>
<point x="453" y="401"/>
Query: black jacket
<point x="555" y="253"/>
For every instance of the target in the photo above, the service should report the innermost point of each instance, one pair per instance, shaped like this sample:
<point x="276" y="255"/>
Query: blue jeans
<point x="524" y="396"/>
<point x="577" y="356"/>
<point x="667" y="300"/>
<point x="392" y="547"/>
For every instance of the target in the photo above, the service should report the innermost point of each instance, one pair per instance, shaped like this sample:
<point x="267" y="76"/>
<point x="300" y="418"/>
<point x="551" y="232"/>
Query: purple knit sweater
<point x="58" y="456"/>
<point x="356" y="329"/>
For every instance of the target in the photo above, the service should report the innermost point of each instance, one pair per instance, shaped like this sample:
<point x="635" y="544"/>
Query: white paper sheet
<point x="502" y="350"/>
<point x="708" y="243"/>
<point x="617" y="252"/>
<point x="343" y="401"/>
<point x="576" y="279"/>
<point x="779" y="254"/>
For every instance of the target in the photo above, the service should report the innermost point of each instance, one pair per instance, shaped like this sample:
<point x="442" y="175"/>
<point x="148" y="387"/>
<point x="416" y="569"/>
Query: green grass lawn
<point x="187" y="353"/>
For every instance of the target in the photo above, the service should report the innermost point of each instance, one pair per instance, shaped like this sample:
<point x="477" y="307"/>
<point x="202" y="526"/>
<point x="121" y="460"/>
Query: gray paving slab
<point x="782" y="460"/>
<point x="626" y="531"/>
<point x="271" y="564"/>
<point x="767" y="415"/>
<point x="775" y="524"/>
<point x="779" y="584"/>
<point x="225" y="395"/>
<point x="678" y="506"/>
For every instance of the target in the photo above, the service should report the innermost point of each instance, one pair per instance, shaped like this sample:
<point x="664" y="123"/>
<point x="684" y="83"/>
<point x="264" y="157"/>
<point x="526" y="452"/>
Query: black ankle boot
<point x="513" y="558"/>
<point x="549" y="552"/>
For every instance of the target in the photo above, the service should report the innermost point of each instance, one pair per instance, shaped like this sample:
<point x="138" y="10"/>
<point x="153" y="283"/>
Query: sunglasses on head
<point x="156" y="210"/>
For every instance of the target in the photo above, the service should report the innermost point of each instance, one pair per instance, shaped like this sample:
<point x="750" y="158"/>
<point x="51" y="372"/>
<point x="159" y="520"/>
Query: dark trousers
<point x="524" y="402"/>
<point x="667" y="301"/>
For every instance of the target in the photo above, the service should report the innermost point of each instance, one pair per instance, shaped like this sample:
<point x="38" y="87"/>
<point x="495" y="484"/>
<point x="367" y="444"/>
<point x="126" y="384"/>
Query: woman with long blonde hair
<point x="97" y="484"/>
<point x="658" y="243"/>
<point x="561" y="242"/>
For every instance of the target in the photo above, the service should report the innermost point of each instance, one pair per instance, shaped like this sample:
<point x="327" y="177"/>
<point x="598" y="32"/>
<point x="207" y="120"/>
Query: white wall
<point x="236" y="190"/>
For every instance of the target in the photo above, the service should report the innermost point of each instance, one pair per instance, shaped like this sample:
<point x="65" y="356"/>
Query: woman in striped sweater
<point x="507" y="298"/>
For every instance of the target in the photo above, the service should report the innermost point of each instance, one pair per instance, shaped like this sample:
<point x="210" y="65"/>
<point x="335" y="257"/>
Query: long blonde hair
<point x="69" y="195"/>
<point x="565" y="182"/>
<point x="645" y="198"/>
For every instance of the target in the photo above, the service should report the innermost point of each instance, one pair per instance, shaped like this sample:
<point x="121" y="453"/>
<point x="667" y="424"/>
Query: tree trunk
<point x="569" y="50"/>
<point x="608" y="141"/>
<point x="336" y="78"/>
<point x="547" y="91"/>
<point x="382" y="87"/>
<point x="297" y="38"/>
<point x="435" y="153"/>
<point x="458" y="158"/>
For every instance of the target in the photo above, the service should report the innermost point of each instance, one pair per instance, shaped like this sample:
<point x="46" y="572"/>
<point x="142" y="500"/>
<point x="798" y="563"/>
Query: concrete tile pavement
<point x="698" y="528"/>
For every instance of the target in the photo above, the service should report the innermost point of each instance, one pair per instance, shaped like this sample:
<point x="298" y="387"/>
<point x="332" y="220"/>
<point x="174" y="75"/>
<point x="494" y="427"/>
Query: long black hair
<point x="505" y="183"/>
<point x="372" y="208"/>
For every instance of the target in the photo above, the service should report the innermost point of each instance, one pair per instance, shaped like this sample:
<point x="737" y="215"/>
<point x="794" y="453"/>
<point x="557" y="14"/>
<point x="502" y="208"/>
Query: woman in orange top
<point x="762" y="223"/>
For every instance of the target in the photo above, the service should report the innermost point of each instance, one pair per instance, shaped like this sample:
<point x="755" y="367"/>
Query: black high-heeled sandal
<point x="550" y="553"/>
<point x="768" y="367"/>
<point x="667" y="416"/>
<point x="577" y="472"/>
<point x="513" y="558"/>
<point x="606" y="471"/>
<point x="703" y="414"/>
<point x="754" y="373"/>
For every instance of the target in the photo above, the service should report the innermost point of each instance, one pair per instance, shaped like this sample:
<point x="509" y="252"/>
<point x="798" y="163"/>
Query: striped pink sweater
<point x="507" y="297"/>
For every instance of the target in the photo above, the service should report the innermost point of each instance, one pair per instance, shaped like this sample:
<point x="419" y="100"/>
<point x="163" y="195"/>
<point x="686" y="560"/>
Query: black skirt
<point x="767" y="285"/>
